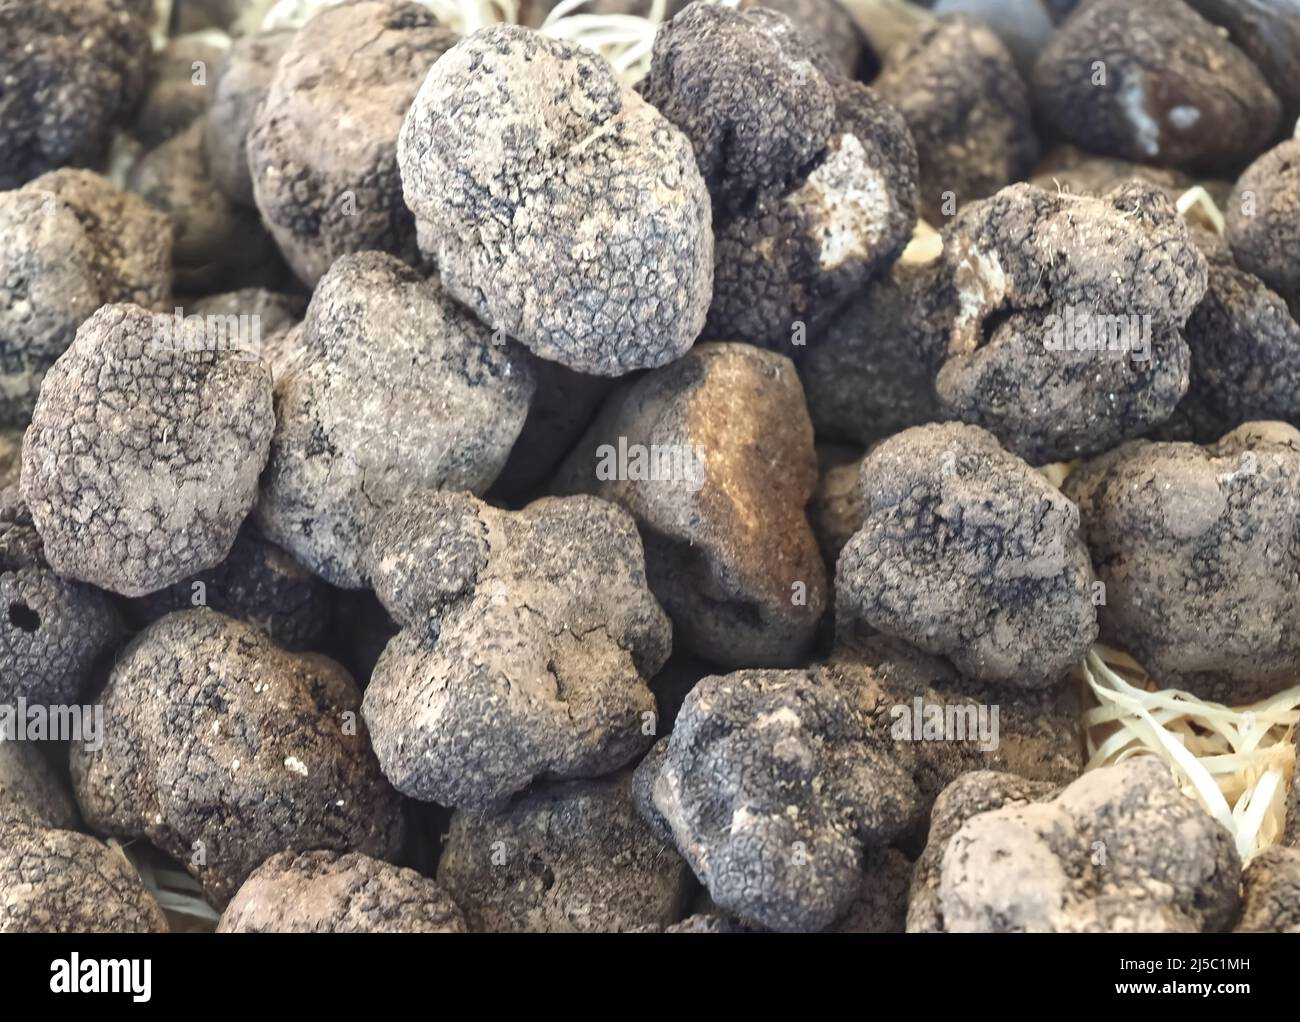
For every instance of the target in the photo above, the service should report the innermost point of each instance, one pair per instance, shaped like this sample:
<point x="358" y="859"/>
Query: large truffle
<point x="526" y="644"/>
<point x="812" y="176"/>
<point x="1199" y="551"/>
<point x="564" y="858"/>
<point x="1263" y="220"/>
<point x="142" y="458"/>
<point x="70" y="241"/>
<point x="713" y="456"/>
<point x="559" y="205"/>
<point x="397" y="388"/>
<point x="222" y="749"/>
<point x="967" y="552"/>
<point x="327" y="892"/>
<point x="322" y="153"/>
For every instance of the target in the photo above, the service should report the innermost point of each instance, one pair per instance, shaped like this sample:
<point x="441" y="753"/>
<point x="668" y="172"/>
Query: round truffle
<point x="1263" y="220"/>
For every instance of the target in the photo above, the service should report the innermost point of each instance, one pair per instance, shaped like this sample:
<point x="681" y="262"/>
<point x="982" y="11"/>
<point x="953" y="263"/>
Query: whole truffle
<point x="527" y="638"/>
<point x="1199" y="551"/>
<point x="1154" y="82"/>
<point x="967" y="109"/>
<point x="1263" y="220"/>
<point x="72" y="70"/>
<point x="1119" y="850"/>
<point x="558" y="205"/>
<point x="222" y="749"/>
<point x="58" y="881"/>
<point x="1065" y="339"/>
<point x="572" y="857"/>
<point x="713" y="456"/>
<point x="322" y="153"/>
<point x="811" y="175"/>
<point x="328" y="892"/>
<point x="1271" y="893"/>
<point x="396" y="388"/>
<point x="967" y="552"/>
<point x="142" y="458"/>
<point x="239" y="84"/>
<point x="70" y="241"/>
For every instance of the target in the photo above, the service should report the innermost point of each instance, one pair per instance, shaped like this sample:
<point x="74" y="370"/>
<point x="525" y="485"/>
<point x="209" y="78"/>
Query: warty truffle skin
<point x="1176" y="92"/>
<point x="1263" y="220"/>
<point x="527" y="638"/>
<point x="558" y="205"/>
<point x="322" y="150"/>
<point x="72" y="69"/>
<point x="1199" y="551"/>
<point x="142" y="458"/>
<point x="329" y="892"/>
<point x="967" y="552"/>
<point x="397" y="388"/>
<point x="222" y="749"/>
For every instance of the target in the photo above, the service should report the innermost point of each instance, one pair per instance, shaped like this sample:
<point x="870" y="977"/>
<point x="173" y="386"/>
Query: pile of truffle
<point x="561" y="483"/>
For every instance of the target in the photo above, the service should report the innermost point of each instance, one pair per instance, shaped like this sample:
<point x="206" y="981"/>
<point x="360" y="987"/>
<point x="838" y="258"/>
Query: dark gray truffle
<point x="1263" y="218"/>
<point x="222" y="749"/>
<point x="395" y="388"/>
<point x="526" y="644"/>
<point x="142" y="458"/>
<point x="558" y="204"/>
<point x="564" y="858"/>
<point x="328" y="892"/>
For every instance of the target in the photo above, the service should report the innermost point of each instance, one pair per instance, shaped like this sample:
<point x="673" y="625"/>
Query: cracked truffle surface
<point x="223" y="749"/>
<point x="1199" y="550"/>
<point x="527" y="638"/>
<point x="967" y="552"/>
<point x="572" y="857"/>
<point x="322" y="153"/>
<point x="142" y="458"/>
<point x="1065" y="339"/>
<point x="396" y="388"/>
<point x="558" y="205"/>
<point x="326" y="892"/>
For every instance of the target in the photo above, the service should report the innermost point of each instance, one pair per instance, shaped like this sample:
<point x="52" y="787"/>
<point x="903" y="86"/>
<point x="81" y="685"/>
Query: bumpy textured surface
<point x="142" y="458"/>
<point x="1119" y="850"/>
<point x="831" y="26"/>
<point x="1264" y="220"/>
<point x="70" y="241"/>
<point x="729" y="551"/>
<point x="322" y="152"/>
<point x="1176" y="91"/>
<point x="1271" y="893"/>
<point x="72" y="68"/>
<point x="967" y="109"/>
<point x="968" y="553"/>
<point x="572" y="857"/>
<point x="222" y="749"/>
<point x="179" y="91"/>
<point x="396" y="388"/>
<point x="58" y="881"/>
<point x="54" y="632"/>
<point x="257" y="582"/>
<point x="239" y="84"/>
<point x="527" y="639"/>
<point x="30" y="792"/>
<point x="1065" y="338"/>
<point x="325" y="892"/>
<point x="881" y="905"/>
<point x="217" y="243"/>
<point x="1199" y="549"/>
<point x="812" y="176"/>
<point x="558" y="205"/>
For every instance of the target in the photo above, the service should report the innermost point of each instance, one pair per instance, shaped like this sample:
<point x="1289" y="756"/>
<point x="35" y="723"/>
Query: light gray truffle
<point x="142" y="458"/>
<point x="222" y="749"/>
<point x="527" y="638"/>
<point x="70" y="241"/>
<point x="59" y="881"/>
<point x="30" y="792"/>
<point x="564" y="858"/>
<point x="558" y="204"/>
<point x="1121" y="849"/>
<point x="395" y="388"/>
<point x="1271" y="892"/>
<point x="329" y="892"/>
<point x="322" y="153"/>
<point x="967" y="552"/>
